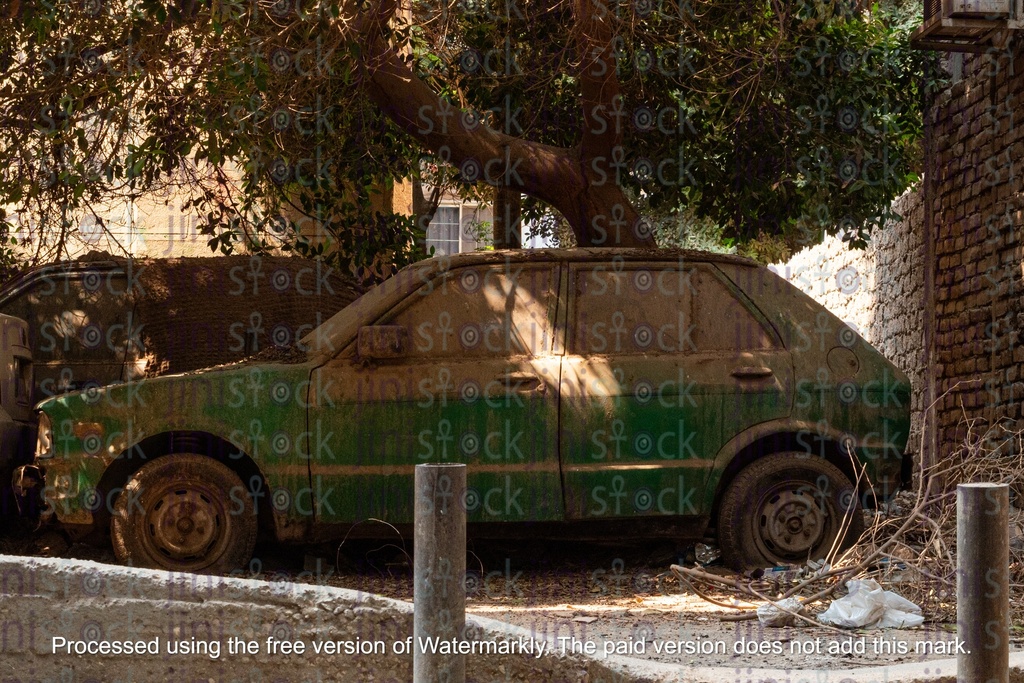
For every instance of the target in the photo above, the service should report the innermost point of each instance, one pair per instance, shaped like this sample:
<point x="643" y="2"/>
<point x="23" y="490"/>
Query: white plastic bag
<point x="868" y="606"/>
<point x="779" y="614"/>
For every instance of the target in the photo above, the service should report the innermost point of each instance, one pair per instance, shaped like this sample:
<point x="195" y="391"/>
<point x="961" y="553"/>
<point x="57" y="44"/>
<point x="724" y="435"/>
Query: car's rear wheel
<point x="787" y="508"/>
<point x="184" y="512"/>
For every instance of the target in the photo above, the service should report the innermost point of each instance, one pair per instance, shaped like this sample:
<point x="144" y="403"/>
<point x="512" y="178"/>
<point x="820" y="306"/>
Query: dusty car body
<point x="589" y="391"/>
<point x="17" y="421"/>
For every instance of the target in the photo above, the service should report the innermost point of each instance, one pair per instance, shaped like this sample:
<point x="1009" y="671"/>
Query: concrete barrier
<point x="78" y="600"/>
<point x="42" y="599"/>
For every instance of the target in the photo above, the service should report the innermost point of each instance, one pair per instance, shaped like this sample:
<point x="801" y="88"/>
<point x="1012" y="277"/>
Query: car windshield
<point x="341" y="328"/>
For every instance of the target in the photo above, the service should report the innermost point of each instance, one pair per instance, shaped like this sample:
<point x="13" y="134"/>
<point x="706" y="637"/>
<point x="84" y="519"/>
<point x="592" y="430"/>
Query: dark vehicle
<point x="591" y="392"/>
<point x="17" y="421"/>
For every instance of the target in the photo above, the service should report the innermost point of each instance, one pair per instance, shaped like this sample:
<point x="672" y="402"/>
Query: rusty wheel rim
<point x="790" y="522"/>
<point x="187" y="525"/>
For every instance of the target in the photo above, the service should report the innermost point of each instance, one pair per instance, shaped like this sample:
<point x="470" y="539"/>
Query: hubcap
<point x="791" y="522"/>
<point x="184" y="524"/>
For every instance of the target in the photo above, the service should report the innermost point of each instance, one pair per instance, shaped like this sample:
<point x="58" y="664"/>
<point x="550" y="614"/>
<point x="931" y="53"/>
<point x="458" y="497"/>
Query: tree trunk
<point x="581" y="182"/>
<point x="507" y="224"/>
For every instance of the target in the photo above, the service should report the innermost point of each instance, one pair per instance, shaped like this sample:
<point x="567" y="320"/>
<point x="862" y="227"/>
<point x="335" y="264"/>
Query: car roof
<point x="583" y="254"/>
<point x="410" y="278"/>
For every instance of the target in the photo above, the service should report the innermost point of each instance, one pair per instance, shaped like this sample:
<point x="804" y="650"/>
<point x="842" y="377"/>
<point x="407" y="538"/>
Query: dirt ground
<point x="626" y="595"/>
<point x="620" y="599"/>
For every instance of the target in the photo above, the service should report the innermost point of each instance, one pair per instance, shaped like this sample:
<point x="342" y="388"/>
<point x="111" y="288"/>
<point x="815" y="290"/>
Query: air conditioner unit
<point x="973" y="8"/>
<point x="967" y="25"/>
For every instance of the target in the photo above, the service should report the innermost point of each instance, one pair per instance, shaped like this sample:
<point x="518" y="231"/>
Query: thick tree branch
<point x="596" y="208"/>
<point x="599" y="82"/>
<point x="600" y="150"/>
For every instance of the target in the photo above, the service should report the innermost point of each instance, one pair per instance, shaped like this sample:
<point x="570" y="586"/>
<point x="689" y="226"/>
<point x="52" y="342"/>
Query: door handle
<point x="751" y="372"/>
<point x="524" y="381"/>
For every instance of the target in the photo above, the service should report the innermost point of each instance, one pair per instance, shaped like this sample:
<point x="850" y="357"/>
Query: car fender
<point x="806" y="434"/>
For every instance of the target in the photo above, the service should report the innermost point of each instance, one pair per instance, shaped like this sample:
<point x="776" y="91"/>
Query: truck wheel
<point x="184" y="512"/>
<point x="787" y="508"/>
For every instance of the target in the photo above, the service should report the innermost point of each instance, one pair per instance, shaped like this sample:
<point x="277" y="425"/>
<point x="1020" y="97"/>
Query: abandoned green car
<point x="590" y="392"/>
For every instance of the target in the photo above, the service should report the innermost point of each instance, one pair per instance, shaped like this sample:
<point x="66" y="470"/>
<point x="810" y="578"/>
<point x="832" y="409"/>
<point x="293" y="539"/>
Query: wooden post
<point x="983" y="582"/>
<point x="439" y="567"/>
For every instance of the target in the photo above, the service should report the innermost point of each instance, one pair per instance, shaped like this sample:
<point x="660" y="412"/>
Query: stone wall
<point x="877" y="291"/>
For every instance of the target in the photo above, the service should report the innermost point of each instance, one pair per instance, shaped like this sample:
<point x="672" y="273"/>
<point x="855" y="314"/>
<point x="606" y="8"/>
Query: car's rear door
<point x="665" y="362"/>
<point x="478" y="384"/>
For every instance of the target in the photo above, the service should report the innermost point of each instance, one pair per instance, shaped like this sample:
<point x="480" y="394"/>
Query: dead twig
<point x="910" y="542"/>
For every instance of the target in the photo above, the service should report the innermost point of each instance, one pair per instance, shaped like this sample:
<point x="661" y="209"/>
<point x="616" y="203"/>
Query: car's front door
<point x="665" y="362"/>
<point x="477" y="383"/>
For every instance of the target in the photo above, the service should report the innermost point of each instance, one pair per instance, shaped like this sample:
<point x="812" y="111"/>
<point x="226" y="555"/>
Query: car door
<point x="476" y="383"/>
<point x="665" y="362"/>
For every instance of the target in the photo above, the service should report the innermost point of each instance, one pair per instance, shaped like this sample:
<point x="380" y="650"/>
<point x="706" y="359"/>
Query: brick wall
<point x="978" y="162"/>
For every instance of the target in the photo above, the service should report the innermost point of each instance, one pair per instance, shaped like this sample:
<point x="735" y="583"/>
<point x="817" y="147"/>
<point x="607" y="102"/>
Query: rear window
<point x="646" y="309"/>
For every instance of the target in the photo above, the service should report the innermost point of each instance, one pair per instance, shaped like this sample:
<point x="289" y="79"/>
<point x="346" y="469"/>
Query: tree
<point x="284" y="119"/>
<point x="790" y="118"/>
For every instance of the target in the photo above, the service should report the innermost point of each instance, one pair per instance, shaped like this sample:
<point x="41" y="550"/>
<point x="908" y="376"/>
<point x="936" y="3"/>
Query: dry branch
<point x="910" y="543"/>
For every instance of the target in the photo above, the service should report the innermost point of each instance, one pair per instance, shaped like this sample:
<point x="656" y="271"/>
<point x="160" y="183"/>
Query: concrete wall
<point x="79" y="600"/>
<point x="155" y="225"/>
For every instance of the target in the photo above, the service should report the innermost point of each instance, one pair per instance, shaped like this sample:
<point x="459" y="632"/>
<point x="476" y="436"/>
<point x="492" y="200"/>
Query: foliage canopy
<point x="283" y="120"/>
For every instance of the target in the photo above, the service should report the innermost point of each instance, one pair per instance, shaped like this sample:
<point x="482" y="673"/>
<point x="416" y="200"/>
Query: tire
<point x="787" y="508"/>
<point x="184" y="512"/>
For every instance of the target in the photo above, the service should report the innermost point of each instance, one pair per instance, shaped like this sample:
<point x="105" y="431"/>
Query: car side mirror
<point x="382" y="341"/>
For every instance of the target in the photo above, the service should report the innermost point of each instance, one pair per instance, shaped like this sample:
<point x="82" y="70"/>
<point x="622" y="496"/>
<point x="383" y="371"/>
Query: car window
<point x="723" y="322"/>
<point x="23" y="380"/>
<point x="481" y="311"/>
<point x="654" y="308"/>
<point x="625" y="309"/>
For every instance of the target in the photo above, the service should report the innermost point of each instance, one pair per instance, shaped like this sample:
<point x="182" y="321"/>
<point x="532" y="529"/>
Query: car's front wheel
<point x="184" y="512"/>
<point x="787" y="508"/>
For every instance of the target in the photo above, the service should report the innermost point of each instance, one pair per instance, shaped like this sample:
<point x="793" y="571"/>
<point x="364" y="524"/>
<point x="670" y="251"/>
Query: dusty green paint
<point x="336" y="443"/>
<point x="513" y="468"/>
<point x="236" y="404"/>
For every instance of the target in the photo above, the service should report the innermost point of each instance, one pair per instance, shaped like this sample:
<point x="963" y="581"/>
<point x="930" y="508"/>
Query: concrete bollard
<point x="439" y="567"/>
<point x="983" y="582"/>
